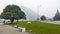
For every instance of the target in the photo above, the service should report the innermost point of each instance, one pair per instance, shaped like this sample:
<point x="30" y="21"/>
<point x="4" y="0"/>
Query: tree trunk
<point x="17" y="20"/>
<point x="12" y="20"/>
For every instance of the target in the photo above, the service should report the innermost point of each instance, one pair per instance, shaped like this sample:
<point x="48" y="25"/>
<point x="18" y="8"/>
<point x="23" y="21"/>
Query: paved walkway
<point x="6" y="29"/>
<point x="52" y="22"/>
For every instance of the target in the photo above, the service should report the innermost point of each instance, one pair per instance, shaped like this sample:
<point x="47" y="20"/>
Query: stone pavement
<point x="6" y="29"/>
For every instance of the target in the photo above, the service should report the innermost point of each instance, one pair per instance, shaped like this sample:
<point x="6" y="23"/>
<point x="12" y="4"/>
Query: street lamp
<point x="38" y="12"/>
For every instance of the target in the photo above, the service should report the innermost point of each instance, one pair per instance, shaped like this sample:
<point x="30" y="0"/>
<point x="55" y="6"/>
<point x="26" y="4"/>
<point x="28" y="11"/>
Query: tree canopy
<point x="57" y="16"/>
<point x="13" y="10"/>
<point x="43" y="17"/>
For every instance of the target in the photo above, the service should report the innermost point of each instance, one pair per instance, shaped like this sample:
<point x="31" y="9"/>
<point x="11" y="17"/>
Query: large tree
<point x="13" y="12"/>
<point x="57" y="16"/>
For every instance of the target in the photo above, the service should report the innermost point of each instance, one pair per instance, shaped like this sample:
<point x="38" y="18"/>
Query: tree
<point x="13" y="10"/>
<point x="57" y="16"/>
<point x="43" y="17"/>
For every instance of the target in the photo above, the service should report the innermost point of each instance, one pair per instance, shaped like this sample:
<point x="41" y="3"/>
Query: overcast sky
<point x="46" y="7"/>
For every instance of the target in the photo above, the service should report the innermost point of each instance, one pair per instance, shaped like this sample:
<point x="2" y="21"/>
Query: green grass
<point x="39" y="27"/>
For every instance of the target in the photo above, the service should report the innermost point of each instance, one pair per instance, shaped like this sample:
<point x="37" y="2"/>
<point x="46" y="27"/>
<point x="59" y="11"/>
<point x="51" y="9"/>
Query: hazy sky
<point x="46" y="7"/>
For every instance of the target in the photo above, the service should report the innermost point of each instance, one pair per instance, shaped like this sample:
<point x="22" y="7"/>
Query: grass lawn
<point x="39" y="27"/>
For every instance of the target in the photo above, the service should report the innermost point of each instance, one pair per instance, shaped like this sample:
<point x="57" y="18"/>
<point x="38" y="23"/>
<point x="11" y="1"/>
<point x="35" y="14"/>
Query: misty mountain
<point x="30" y="14"/>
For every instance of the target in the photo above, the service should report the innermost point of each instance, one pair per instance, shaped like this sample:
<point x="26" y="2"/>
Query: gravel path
<point x="6" y="29"/>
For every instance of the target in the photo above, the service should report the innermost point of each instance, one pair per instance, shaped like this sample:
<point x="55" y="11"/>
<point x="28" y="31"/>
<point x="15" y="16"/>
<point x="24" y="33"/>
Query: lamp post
<point x="38" y="12"/>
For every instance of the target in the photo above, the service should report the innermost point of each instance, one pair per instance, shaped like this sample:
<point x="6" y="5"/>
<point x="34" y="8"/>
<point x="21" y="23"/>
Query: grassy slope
<point x="40" y="28"/>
